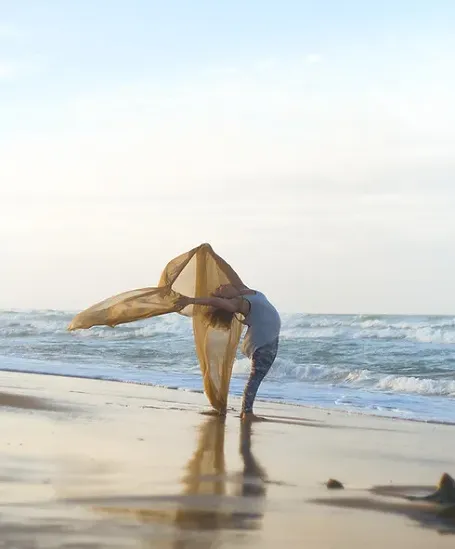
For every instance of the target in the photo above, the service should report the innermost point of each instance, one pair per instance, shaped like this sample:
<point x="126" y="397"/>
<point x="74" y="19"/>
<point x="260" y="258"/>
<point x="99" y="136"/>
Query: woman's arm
<point x="235" y="305"/>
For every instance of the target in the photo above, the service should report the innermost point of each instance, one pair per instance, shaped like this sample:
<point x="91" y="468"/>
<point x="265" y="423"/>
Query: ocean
<point x="396" y="366"/>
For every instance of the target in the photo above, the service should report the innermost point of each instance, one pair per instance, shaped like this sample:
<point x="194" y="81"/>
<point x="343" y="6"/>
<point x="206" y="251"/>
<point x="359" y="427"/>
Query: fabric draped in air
<point x="196" y="273"/>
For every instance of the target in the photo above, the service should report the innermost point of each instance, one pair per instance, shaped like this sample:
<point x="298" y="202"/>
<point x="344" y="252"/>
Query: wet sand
<point x="88" y="463"/>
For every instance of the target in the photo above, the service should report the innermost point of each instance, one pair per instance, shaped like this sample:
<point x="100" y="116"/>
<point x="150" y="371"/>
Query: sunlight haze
<point x="311" y="144"/>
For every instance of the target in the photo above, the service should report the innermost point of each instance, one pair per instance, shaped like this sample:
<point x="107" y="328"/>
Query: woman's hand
<point x="226" y="291"/>
<point x="183" y="301"/>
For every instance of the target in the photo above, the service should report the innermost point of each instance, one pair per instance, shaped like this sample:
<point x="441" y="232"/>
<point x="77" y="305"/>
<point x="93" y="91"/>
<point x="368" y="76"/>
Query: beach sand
<point x="88" y="463"/>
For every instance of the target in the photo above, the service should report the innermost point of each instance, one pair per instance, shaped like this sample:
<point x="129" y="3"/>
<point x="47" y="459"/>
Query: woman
<point x="261" y="339"/>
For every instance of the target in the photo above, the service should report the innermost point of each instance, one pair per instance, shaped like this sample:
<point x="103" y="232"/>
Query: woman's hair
<point x="219" y="318"/>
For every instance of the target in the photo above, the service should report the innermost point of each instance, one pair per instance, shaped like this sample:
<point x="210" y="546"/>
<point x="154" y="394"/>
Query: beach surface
<point x="90" y="463"/>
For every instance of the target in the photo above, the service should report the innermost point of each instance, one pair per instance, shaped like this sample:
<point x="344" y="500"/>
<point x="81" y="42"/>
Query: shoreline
<point x="397" y="369"/>
<point x="258" y="399"/>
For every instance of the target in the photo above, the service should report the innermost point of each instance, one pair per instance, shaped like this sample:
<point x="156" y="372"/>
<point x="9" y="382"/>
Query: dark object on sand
<point x="334" y="484"/>
<point x="444" y="494"/>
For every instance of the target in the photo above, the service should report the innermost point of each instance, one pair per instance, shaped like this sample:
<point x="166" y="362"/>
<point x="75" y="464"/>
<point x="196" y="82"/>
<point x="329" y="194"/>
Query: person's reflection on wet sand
<point x="212" y="504"/>
<point x="206" y="477"/>
<point x="253" y="478"/>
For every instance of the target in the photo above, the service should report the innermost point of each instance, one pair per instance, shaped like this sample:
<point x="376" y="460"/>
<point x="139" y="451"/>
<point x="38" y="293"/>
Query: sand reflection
<point x="208" y="506"/>
<point x="212" y="504"/>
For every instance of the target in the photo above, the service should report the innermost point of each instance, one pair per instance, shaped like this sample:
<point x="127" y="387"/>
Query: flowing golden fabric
<point x="196" y="273"/>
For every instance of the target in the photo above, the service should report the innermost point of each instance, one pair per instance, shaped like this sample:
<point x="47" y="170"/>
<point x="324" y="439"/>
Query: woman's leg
<point x="262" y="360"/>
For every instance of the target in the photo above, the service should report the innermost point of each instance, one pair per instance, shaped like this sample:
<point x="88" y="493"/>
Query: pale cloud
<point x="267" y="64"/>
<point x="13" y="69"/>
<point x="8" y="31"/>
<point x="227" y="127"/>
<point x="346" y="196"/>
<point x="313" y="58"/>
<point x="7" y="70"/>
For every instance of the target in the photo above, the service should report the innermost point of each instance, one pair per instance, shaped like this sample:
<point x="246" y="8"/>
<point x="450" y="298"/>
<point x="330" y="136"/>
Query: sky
<point x="312" y="144"/>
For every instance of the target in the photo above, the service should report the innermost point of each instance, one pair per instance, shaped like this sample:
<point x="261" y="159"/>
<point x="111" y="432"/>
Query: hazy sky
<point x="311" y="143"/>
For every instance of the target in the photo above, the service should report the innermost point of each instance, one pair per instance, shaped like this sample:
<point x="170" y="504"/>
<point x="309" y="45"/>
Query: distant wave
<point x="344" y="377"/>
<point x="377" y="354"/>
<point x="438" y="330"/>
<point x="36" y="323"/>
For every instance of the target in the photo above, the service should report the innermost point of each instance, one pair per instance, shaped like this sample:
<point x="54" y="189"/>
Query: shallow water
<point x="401" y="366"/>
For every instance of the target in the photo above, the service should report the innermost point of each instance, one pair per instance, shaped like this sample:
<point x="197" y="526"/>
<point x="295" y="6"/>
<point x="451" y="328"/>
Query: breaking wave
<point x="380" y="357"/>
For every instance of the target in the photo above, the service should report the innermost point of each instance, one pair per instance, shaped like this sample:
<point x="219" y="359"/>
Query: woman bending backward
<point x="261" y="339"/>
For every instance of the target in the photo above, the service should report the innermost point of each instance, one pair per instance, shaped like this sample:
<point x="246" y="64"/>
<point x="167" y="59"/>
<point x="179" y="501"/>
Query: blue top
<point x="263" y="323"/>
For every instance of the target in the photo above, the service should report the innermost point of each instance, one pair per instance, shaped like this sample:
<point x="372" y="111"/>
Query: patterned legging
<point x="262" y="360"/>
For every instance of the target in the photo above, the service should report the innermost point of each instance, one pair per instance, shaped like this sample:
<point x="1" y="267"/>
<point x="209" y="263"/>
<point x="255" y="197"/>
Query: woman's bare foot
<point x="213" y="413"/>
